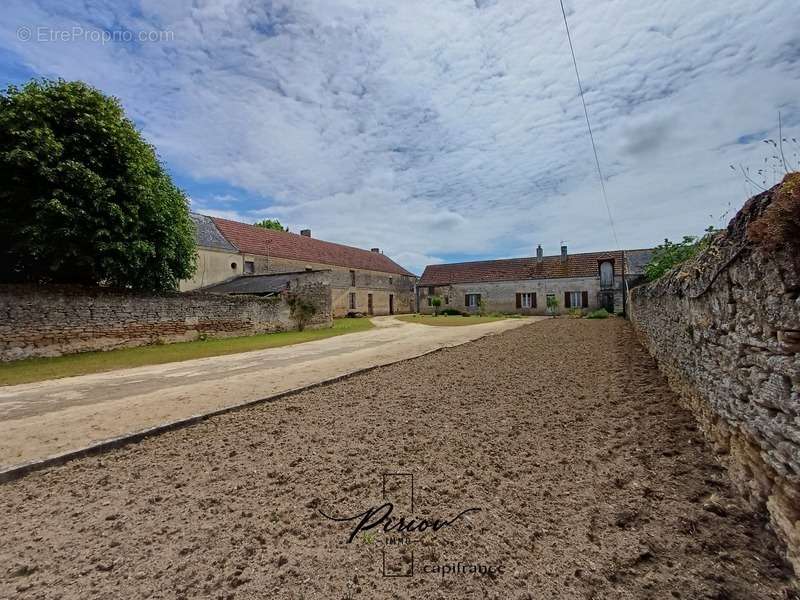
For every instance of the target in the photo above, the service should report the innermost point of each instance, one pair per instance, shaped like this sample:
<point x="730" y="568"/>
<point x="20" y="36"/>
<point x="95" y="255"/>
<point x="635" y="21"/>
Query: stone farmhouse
<point x="364" y="281"/>
<point x="585" y="281"/>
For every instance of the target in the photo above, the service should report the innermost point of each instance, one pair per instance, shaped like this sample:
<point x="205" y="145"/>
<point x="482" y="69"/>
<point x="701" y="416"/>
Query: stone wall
<point x="51" y="321"/>
<point x="725" y="330"/>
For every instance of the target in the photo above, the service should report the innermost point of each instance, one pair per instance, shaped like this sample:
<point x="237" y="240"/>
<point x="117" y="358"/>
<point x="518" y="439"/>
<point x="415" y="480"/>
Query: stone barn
<point x="362" y="281"/>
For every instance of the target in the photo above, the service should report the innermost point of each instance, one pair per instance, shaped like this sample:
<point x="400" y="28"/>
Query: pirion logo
<point x="399" y="528"/>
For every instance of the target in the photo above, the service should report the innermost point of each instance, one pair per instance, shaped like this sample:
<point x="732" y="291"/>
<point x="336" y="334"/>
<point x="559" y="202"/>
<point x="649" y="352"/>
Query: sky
<point x="442" y="130"/>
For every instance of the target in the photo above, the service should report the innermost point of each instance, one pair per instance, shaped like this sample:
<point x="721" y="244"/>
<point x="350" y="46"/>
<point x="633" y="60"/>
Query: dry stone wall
<point x="725" y="329"/>
<point x="51" y="321"/>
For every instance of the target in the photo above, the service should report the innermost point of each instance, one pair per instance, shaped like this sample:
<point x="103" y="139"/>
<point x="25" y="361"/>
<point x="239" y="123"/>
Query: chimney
<point x="378" y="250"/>
<point x="563" y="253"/>
<point x="305" y="232"/>
<point x="539" y="253"/>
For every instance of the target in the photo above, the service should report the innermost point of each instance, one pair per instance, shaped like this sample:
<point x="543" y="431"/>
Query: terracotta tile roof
<point x="512" y="269"/>
<point x="269" y="242"/>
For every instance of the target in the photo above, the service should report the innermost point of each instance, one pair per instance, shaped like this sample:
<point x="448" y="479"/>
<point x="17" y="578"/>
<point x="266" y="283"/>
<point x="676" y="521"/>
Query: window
<point x="390" y="281"/>
<point x="352" y="280"/>
<point x="576" y="299"/>
<point x="234" y="265"/>
<point x="606" y="274"/>
<point x="472" y="300"/>
<point x="447" y="299"/>
<point x="352" y="299"/>
<point x="249" y="267"/>
<point x="526" y="300"/>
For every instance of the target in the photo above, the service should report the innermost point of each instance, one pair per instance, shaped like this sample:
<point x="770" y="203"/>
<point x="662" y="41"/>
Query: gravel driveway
<point x="590" y="480"/>
<point x="45" y="418"/>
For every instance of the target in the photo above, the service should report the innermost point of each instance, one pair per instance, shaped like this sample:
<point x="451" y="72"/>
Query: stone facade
<point x="51" y="321"/>
<point x="500" y="296"/>
<point x="725" y="330"/>
<point x="380" y="285"/>
<point x="229" y="249"/>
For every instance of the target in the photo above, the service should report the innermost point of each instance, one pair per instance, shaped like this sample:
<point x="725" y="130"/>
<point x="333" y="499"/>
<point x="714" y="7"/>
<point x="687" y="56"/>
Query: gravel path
<point x="42" y="419"/>
<point x="592" y="483"/>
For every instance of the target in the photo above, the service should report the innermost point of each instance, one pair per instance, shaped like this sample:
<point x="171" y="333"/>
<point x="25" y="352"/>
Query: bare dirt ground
<point x="592" y="483"/>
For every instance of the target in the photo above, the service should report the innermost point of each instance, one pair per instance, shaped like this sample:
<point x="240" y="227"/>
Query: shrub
<point x="575" y="313"/>
<point x="671" y="254"/>
<point x="453" y="312"/>
<point x="552" y="305"/>
<point x="84" y="198"/>
<point x="436" y="302"/>
<point x="301" y="309"/>
<point x="600" y="313"/>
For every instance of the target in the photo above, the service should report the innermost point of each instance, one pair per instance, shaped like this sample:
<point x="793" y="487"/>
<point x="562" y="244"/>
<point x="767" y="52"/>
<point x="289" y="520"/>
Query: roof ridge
<point x="534" y="258"/>
<point x="247" y="236"/>
<point x="580" y="264"/>
<point x="305" y="237"/>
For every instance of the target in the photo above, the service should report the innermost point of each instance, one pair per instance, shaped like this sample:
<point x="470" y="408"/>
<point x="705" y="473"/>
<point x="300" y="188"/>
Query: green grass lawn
<point x="39" y="369"/>
<point x="448" y="320"/>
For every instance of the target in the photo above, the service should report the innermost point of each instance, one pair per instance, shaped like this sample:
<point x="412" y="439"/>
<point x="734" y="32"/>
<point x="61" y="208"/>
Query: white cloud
<point x="434" y="129"/>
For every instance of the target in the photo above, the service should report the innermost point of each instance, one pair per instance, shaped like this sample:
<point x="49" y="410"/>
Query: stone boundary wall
<point x="56" y="320"/>
<point x="725" y="330"/>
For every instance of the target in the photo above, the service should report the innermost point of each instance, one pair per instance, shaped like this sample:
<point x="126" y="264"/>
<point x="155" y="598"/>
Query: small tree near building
<point x="552" y="304"/>
<point x="482" y="307"/>
<point x="301" y="309"/>
<point x="436" y="303"/>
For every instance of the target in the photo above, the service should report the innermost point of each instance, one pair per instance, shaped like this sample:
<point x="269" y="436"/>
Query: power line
<point x="589" y="126"/>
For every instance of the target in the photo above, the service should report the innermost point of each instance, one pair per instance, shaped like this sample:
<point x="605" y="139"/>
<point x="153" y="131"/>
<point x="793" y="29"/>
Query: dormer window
<point x="606" y="274"/>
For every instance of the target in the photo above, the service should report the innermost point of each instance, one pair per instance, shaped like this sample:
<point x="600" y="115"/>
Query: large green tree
<point x="83" y="198"/>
